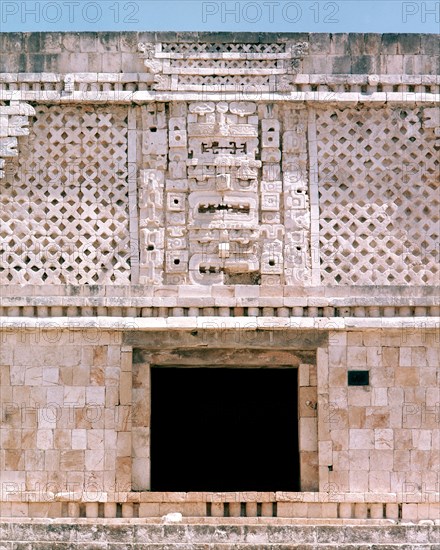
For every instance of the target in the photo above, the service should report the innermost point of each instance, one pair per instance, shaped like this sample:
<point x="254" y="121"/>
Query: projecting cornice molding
<point x="126" y="88"/>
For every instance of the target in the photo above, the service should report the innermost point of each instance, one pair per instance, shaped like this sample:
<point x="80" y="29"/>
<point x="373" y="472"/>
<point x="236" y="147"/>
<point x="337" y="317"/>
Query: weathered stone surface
<point x="260" y="200"/>
<point x="242" y="535"/>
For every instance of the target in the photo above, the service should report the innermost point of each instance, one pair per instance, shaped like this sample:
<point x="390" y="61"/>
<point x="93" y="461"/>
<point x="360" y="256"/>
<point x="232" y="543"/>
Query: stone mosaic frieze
<point x="226" y="66"/>
<point x="220" y="163"/>
<point x="221" y="210"/>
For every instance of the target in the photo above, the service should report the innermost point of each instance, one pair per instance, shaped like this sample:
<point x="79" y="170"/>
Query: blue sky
<point x="218" y="15"/>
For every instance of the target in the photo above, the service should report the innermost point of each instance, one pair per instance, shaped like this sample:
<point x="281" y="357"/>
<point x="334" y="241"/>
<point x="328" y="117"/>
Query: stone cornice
<point x="184" y="304"/>
<point x="138" y="88"/>
<point x="21" y="325"/>
<point x="11" y="494"/>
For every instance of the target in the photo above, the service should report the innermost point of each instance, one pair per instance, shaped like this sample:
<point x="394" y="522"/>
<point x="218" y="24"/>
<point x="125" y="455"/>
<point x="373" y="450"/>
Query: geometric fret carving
<point x="223" y="66"/>
<point x="13" y="123"/>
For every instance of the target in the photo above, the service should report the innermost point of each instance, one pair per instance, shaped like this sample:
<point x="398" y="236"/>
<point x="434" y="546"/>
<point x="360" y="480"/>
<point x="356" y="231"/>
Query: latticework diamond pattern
<point x="379" y="197"/>
<point x="217" y="48"/>
<point x="65" y="209"/>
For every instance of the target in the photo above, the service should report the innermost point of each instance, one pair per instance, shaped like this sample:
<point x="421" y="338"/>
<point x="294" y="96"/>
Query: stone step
<point x="17" y="545"/>
<point x="105" y="535"/>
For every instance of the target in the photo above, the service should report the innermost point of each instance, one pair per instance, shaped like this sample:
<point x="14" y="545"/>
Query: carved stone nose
<point x="223" y="250"/>
<point x="223" y="182"/>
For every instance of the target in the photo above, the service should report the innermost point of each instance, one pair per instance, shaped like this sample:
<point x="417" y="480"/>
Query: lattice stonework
<point x="65" y="206"/>
<point x="239" y="68"/>
<point x="379" y="196"/>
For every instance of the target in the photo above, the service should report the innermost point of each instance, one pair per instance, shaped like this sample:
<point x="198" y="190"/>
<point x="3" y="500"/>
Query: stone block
<point x="71" y="460"/>
<point x="361" y="439"/>
<point x="303" y="375"/>
<point x="329" y="510"/>
<point x="409" y="512"/>
<point x="308" y="434"/>
<point x="394" y="64"/>
<point x="309" y="470"/>
<point x="289" y="510"/>
<point x="149" y="509"/>
<point x="359" y="460"/>
<point x="323" y="366"/>
<point x="356" y="356"/>
<point x="381" y="460"/>
<point x="365" y="64"/>
<point x="337" y="356"/>
<point x="434" y="511"/>
<point x="409" y="43"/>
<point x="339" y="439"/>
<point x="325" y="453"/>
<point x="94" y="460"/>
<point x="379" y="481"/>
<point x="355" y="338"/>
<point x="341" y="64"/>
<point x="307" y="401"/>
<point x="374" y="356"/>
<point x="405" y="377"/>
<point x="125" y="388"/>
<point x="359" y="396"/>
<point x="358" y="482"/>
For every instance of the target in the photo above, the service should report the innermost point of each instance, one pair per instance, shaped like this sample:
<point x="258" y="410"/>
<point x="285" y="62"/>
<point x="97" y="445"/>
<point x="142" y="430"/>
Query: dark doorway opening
<point x="224" y="429"/>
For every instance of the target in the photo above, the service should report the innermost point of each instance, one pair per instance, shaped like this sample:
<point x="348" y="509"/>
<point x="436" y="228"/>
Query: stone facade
<point x="219" y="200"/>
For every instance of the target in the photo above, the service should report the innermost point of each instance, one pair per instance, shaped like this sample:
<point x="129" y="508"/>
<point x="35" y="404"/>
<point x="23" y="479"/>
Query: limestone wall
<point x="75" y="420"/>
<point x="355" y="53"/>
<point x="385" y="436"/>
<point x="66" y="417"/>
<point x="166" y="197"/>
